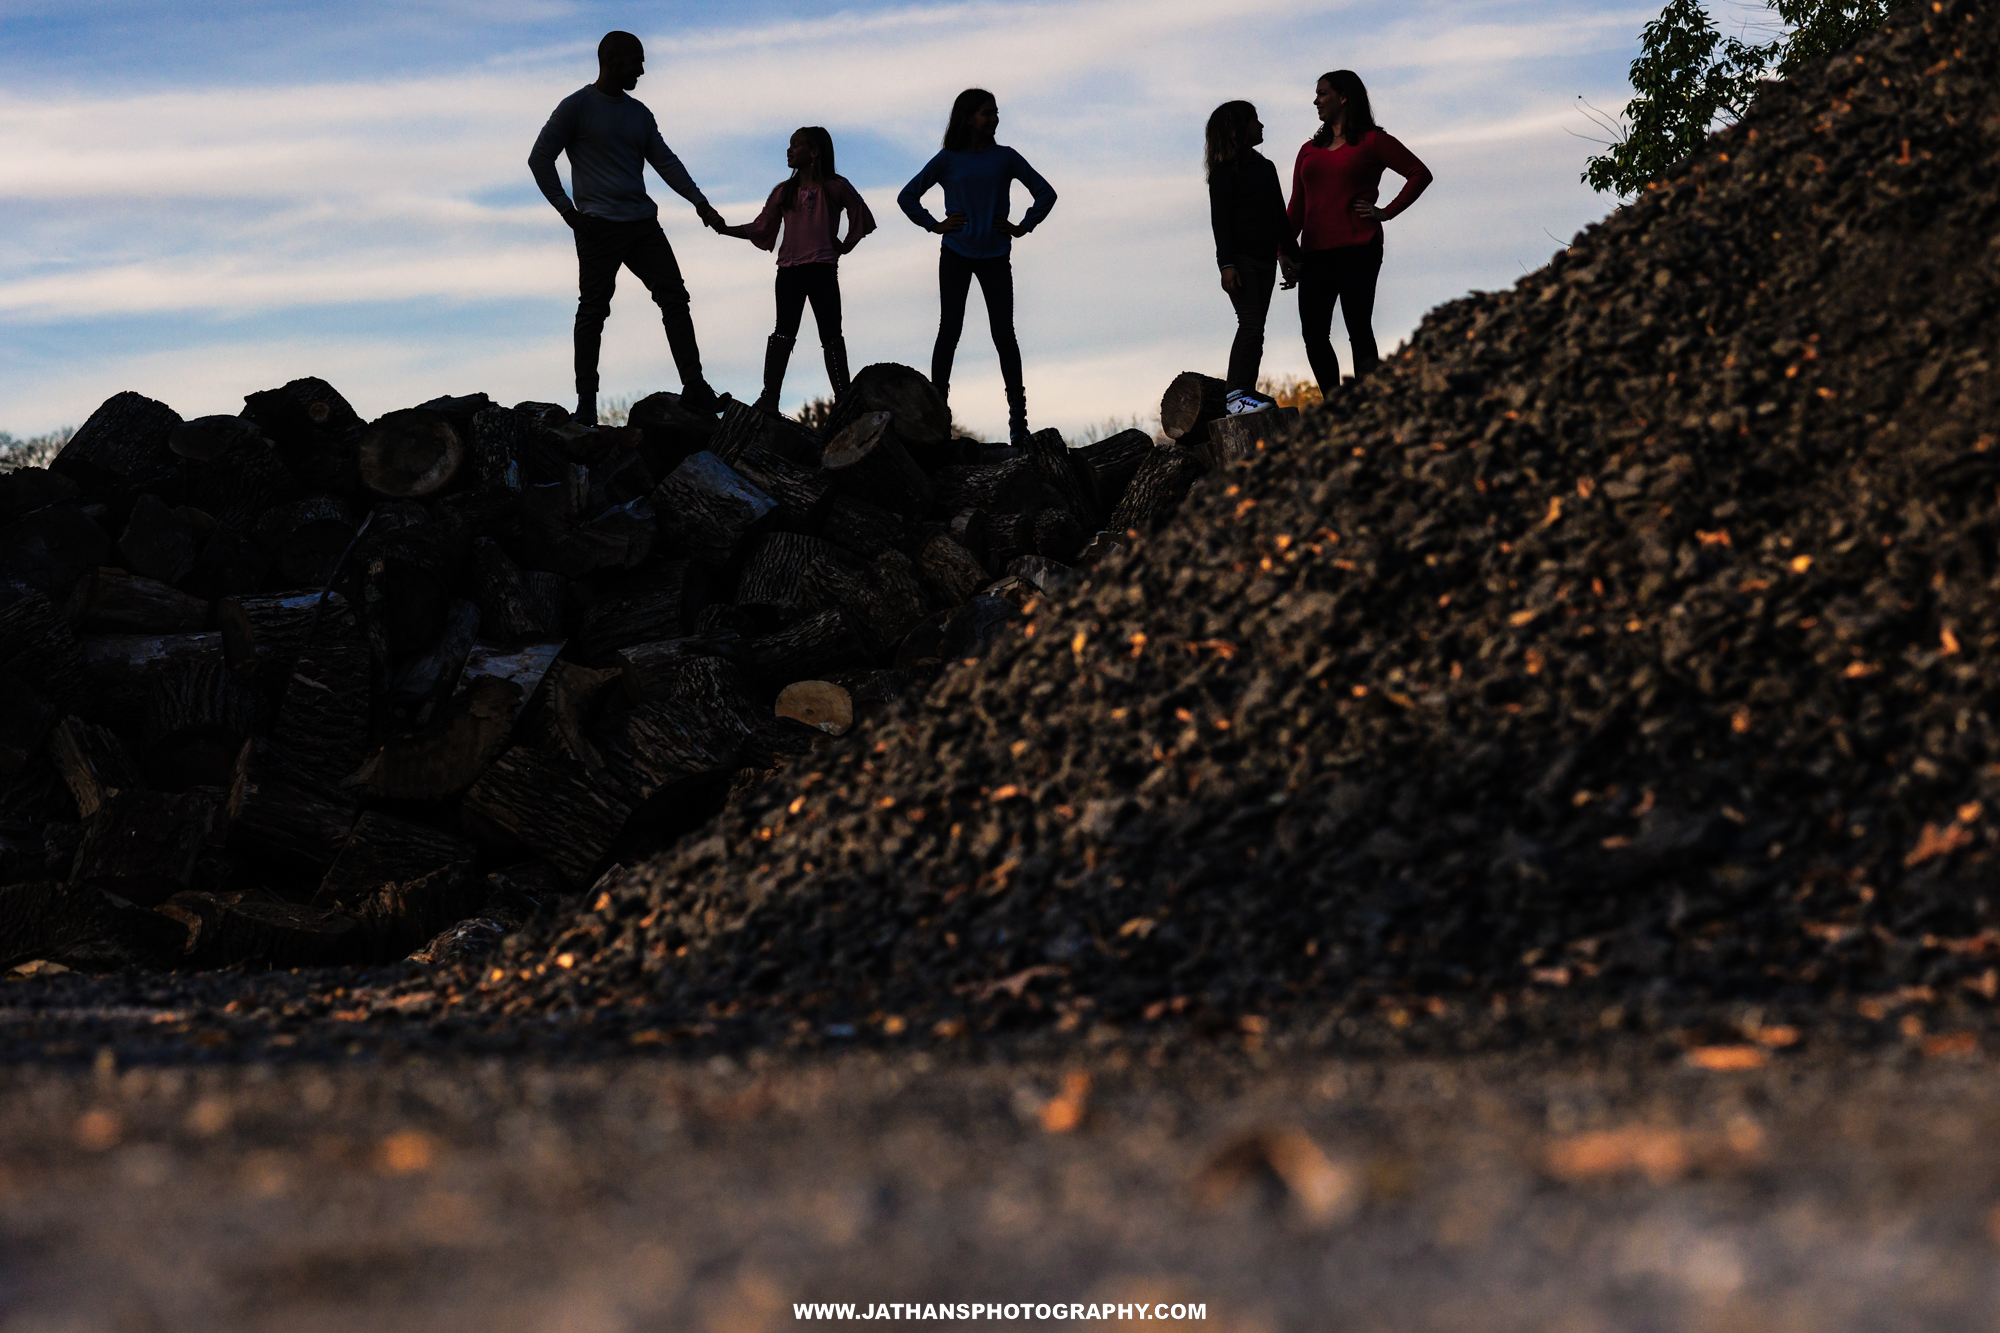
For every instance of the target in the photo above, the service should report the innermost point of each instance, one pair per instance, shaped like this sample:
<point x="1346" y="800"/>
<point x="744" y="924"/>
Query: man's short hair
<point x="616" y="41"/>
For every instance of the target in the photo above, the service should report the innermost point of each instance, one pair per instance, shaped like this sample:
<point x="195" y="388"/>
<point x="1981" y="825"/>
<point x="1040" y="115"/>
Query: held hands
<point x="709" y="217"/>
<point x="1290" y="270"/>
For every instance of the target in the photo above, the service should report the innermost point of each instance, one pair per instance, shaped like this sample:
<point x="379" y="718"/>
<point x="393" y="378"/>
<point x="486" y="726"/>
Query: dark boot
<point x="777" y="353"/>
<point x="696" y="396"/>
<point x="1017" y="414"/>
<point x="836" y="367"/>
<point x="586" y="409"/>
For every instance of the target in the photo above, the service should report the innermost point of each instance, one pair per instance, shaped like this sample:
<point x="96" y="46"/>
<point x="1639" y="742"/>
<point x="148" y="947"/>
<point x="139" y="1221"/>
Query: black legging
<point x="1346" y="274"/>
<point x="1252" y="299"/>
<point x="820" y="283"/>
<point x="996" y="284"/>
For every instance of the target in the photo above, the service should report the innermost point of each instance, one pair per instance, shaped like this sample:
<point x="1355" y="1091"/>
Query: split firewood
<point x="993" y="488"/>
<point x="281" y="810"/>
<point x="861" y="527"/>
<point x="384" y="849"/>
<point x="745" y="431"/>
<point x="525" y="665"/>
<point x="119" y="671"/>
<point x="315" y="431"/>
<point x="919" y="412"/>
<point x="323" y="721"/>
<point x="38" y="645"/>
<point x="775" y="571"/>
<point x="651" y="666"/>
<point x="158" y="542"/>
<point x="884" y="597"/>
<point x="1110" y="464"/>
<point x="422" y="682"/>
<point x="802" y="490"/>
<point x="464" y="735"/>
<point x="207" y="438"/>
<point x="228" y="564"/>
<point x="1236" y="438"/>
<point x="409" y="453"/>
<point x="122" y="447"/>
<point x="1048" y="532"/>
<point x="1055" y="464"/>
<point x="52" y="548"/>
<point x="1191" y="401"/>
<point x="694" y="719"/>
<point x="495" y="450"/>
<point x="196" y="719"/>
<point x="654" y="603"/>
<point x="304" y="539"/>
<point x="817" y="703"/>
<point x="968" y="529"/>
<point x="514" y="604"/>
<point x="709" y="509"/>
<point x="618" y="479"/>
<point x="400" y="916"/>
<point x="669" y="432"/>
<point x="237" y="488"/>
<point x="111" y="601"/>
<point x="1156" y="490"/>
<point x="568" y="692"/>
<point x="93" y="763"/>
<point x="25" y="723"/>
<point x="27" y="488"/>
<point x="948" y="569"/>
<point x="143" y="845"/>
<point x="809" y="648"/>
<point x="868" y="461"/>
<point x="278" y="934"/>
<point x="278" y="627"/>
<point x="549" y="804"/>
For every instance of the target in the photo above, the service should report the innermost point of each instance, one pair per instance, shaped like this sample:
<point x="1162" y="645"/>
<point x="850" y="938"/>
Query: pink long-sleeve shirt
<point x="1327" y="181"/>
<point x="811" y="225"/>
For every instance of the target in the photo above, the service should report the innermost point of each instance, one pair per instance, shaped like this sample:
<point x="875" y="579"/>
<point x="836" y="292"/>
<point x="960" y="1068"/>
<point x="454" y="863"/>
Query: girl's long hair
<point x="1228" y="135"/>
<point x="822" y="143"/>
<point x="958" y="133"/>
<point x="1357" y="119"/>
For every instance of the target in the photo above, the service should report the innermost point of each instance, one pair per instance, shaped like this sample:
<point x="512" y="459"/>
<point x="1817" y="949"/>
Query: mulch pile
<point x="1629" y="630"/>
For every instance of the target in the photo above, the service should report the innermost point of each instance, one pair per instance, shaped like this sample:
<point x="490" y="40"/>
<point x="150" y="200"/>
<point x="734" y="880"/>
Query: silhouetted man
<point x="609" y="138"/>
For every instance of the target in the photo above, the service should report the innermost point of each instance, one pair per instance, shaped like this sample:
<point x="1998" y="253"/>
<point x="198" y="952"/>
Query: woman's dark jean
<point x="1252" y="299"/>
<point x="996" y="284"/>
<point x="1345" y="274"/>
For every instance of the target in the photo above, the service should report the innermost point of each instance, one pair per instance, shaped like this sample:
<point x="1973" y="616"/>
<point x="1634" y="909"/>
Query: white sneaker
<point x="1239" y="401"/>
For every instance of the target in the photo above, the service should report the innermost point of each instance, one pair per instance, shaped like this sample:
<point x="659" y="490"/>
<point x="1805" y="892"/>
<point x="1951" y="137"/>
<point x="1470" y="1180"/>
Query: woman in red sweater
<point x="1335" y="183"/>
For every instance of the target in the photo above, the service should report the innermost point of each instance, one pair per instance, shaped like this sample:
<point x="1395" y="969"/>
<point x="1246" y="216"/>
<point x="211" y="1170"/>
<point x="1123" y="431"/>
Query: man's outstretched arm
<point x="677" y="179"/>
<point x="553" y="139"/>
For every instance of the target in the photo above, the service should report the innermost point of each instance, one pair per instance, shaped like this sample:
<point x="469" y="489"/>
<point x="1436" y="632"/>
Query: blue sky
<point x="199" y="202"/>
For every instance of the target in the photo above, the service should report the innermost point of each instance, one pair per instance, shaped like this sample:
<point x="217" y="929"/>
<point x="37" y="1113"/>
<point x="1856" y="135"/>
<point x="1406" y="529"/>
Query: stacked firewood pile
<point x="290" y="687"/>
<point x="1632" y="632"/>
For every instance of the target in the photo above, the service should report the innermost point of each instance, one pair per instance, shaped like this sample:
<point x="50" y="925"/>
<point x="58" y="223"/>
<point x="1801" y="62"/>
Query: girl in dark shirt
<point x="1247" y="211"/>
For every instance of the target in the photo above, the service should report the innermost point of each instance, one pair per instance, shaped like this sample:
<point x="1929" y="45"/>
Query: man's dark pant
<point x="601" y="248"/>
<point x="1252" y="299"/>
<point x="1347" y="274"/>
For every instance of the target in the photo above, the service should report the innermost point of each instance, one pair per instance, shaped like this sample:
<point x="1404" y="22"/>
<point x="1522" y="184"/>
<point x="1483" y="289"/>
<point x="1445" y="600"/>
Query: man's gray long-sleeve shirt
<point x="609" y="140"/>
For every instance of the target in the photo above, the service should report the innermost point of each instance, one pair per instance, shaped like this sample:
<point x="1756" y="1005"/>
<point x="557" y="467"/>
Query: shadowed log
<point x="1191" y="402"/>
<point x="119" y="671"/>
<point x="382" y="849"/>
<point x="1234" y="439"/>
<point x="526" y="666"/>
<point x="860" y="527"/>
<point x="1157" y="489"/>
<point x="809" y="649"/>
<point x="50" y="549"/>
<point x="158" y="542"/>
<point x="669" y="433"/>
<point x="304" y="539"/>
<point x="465" y="734"/>
<point x="707" y="511"/>
<point x="280" y="809"/>
<point x="275" y="933"/>
<point x="653" y="666"/>
<point x="206" y="438"/>
<point x="110" y="601"/>
<point x="424" y="681"/>
<point x="25" y="723"/>
<point x="323" y="722"/>
<point x="696" y="717"/>
<point x="866" y="460"/>
<point x="409" y="453"/>
<point x="495" y="449"/>
<point x="884" y="597"/>
<point x="774" y="572"/>
<point x="992" y="488"/>
<point x="93" y="762"/>
<point x="801" y="490"/>
<point x="1061" y="476"/>
<point x="619" y="479"/>
<point x="651" y="604"/>
<point x="745" y="431"/>
<point x="38" y="645"/>
<point x="568" y="693"/>
<point x="968" y="529"/>
<point x="123" y="447"/>
<point x="920" y="414"/>
<point x="948" y="569"/>
<point x="27" y="488"/>
<point x="315" y="431"/>
<point x="514" y="604"/>
<point x="229" y="565"/>
<point x="550" y="805"/>
<point x="399" y="917"/>
<point x="196" y="719"/>
<point x="408" y="578"/>
<point x="143" y="845"/>
<point x="283" y="625"/>
<point x="1109" y="466"/>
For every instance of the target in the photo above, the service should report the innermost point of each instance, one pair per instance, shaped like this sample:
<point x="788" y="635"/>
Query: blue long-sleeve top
<point x="976" y="183"/>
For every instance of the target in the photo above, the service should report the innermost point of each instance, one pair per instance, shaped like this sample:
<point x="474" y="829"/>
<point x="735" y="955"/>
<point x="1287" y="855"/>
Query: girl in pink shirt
<point x="807" y="207"/>
<point x="1335" y="183"/>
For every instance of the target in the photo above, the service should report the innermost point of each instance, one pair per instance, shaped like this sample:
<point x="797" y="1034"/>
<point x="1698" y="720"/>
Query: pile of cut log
<point x="291" y="688"/>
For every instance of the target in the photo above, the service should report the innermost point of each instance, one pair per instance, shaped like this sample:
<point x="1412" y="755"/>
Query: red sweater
<point x="1327" y="181"/>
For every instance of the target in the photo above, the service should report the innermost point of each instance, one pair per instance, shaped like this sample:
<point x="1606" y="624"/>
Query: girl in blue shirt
<point x="978" y="238"/>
